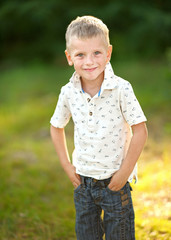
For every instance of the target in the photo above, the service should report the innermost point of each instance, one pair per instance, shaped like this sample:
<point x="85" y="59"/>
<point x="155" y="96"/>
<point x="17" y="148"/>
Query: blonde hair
<point x="87" y="27"/>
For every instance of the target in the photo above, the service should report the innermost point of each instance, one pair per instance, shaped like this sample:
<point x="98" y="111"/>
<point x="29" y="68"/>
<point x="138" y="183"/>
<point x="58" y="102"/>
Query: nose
<point x="89" y="60"/>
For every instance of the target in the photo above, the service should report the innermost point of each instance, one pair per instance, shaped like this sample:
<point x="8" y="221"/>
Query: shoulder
<point x="67" y="89"/>
<point x="65" y="93"/>
<point x="69" y="92"/>
<point x="122" y="84"/>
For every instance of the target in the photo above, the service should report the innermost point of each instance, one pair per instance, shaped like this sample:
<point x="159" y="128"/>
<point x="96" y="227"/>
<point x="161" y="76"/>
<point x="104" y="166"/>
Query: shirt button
<point x="88" y="99"/>
<point x="90" y="113"/>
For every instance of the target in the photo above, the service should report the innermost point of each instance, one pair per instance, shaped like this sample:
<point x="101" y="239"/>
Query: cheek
<point x="103" y="61"/>
<point x="77" y="64"/>
<point x="77" y="67"/>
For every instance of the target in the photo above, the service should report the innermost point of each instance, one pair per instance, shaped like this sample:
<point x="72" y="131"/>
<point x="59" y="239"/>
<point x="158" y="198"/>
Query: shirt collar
<point x="108" y="83"/>
<point x="109" y="78"/>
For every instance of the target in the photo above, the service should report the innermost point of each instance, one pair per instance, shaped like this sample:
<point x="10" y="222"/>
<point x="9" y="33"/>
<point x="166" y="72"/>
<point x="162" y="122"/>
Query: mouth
<point x="90" y="69"/>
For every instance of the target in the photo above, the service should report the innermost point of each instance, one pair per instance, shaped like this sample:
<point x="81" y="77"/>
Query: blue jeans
<point x="93" y="196"/>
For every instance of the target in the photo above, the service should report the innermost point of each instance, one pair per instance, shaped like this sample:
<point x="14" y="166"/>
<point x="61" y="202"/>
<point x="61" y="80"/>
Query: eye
<point x="80" y="55"/>
<point x="97" y="53"/>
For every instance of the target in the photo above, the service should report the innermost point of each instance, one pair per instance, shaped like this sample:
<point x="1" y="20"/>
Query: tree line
<point x="36" y="28"/>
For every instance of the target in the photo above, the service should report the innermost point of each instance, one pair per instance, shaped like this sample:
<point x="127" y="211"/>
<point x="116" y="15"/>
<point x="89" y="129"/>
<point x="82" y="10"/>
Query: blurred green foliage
<point x="36" y="196"/>
<point x="36" y="28"/>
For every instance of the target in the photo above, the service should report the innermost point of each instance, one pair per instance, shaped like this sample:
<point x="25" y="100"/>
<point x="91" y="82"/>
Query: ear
<point x="109" y="53"/>
<point x="68" y="57"/>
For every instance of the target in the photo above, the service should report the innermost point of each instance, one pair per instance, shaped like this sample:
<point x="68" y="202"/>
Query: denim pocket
<point x="78" y="188"/>
<point x="111" y="191"/>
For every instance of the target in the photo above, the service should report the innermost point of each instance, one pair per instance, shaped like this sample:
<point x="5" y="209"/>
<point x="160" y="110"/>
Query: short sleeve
<point x="130" y="106"/>
<point x="62" y="113"/>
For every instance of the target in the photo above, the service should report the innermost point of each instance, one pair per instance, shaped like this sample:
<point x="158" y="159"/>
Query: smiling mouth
<point x="90" y="69"/>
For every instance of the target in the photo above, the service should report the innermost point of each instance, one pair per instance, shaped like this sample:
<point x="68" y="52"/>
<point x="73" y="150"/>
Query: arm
<point x="138" y="140"/>
<point x="59" y="141"/>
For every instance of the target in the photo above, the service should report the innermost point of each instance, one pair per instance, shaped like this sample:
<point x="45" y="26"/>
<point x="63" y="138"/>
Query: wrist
<point x="67" y="166"/>
<point x="125" y="172"/>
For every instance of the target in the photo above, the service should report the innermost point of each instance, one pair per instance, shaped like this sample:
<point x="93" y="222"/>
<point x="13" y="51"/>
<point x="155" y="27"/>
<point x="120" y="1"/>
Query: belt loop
<point x="107" y="181"/>
<point x="82" y="179"/>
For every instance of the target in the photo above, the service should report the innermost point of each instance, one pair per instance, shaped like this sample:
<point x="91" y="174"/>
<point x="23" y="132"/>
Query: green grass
<point x="36" y="197"/>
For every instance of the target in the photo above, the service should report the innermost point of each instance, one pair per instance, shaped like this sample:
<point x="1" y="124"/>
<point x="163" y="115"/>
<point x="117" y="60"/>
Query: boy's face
<point x="89" y="57"/>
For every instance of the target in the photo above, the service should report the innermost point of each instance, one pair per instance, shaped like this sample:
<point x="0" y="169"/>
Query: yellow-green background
<point x="36" y="197"/>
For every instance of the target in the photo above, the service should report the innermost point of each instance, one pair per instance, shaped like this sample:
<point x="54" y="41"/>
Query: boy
<point x="105" y="113"/>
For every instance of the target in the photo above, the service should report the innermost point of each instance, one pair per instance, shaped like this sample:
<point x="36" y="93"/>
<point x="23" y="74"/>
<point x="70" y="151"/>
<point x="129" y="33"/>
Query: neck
<point x="91" y="87"/>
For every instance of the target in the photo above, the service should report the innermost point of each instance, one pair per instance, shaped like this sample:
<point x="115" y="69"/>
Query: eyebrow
<point x="82" y="51"/>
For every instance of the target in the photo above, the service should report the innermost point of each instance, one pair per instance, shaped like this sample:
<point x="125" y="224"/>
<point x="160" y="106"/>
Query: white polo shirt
<point x="102" y="123"/>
